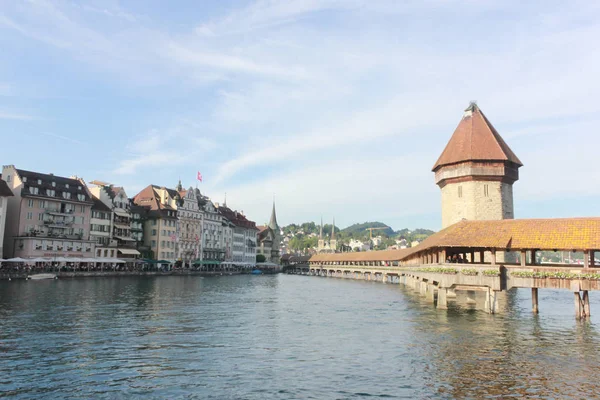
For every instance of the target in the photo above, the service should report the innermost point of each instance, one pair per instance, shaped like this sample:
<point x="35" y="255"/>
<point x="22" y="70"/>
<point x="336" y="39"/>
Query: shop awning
<point x="129" y="251"/>
<point x="122" y="213"/>
<point x="207" y="262"/>
<point x="125" y="239"/>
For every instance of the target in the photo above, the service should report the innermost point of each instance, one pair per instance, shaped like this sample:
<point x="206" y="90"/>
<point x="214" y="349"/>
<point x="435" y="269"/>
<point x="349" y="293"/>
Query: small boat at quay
<point x="36" y="277"/>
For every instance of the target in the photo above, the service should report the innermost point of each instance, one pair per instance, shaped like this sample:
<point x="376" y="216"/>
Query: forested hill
<point x="360" y="229"/>
<point x="357" y="231"/>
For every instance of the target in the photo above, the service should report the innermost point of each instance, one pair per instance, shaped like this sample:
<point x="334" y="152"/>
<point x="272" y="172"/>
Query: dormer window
<point x="78" y="187"/>
<point x="50" y="192"/>
<point x="53" y="184"/>
<point x="66" y="185"/>
<point x="39" y="181"/>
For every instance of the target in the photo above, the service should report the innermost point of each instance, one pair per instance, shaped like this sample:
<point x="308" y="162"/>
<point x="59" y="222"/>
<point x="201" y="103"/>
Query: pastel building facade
<point x="160" y="224"/>
<point x="121" y="242"/>
<point x="47" y="216"/>
<point x="5" y="193"/>
<point x="190" y="217"/>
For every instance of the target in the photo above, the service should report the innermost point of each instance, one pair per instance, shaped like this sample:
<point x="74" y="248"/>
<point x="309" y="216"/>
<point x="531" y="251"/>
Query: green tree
<point x="260" y="258"/>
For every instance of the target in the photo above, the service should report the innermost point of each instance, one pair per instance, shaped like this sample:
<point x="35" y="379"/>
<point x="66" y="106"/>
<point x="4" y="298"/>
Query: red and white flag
<point x="199" y="176"/>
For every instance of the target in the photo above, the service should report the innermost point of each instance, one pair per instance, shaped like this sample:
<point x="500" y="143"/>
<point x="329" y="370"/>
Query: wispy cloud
<point x="16" y="116"/>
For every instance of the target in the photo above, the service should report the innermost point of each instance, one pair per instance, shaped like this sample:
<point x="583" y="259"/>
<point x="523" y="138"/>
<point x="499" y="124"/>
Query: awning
<point x="207" y="262"/>
<point x="129" y="251"/>
<point x="125" y="239"/>
<point x="122" y="213"/>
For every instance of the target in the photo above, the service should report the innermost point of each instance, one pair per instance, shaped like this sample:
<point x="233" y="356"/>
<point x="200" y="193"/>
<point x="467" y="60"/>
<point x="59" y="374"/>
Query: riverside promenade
<point x="498" y="256"/>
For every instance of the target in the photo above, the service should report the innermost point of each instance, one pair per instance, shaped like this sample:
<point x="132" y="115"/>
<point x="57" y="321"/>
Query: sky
<point x="334" y="108"/>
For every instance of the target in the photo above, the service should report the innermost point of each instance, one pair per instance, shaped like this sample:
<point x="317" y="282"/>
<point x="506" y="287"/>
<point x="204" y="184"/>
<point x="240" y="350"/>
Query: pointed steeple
<point x="225" y="202"/>
<point x="333" y="230"/>
<point x="179" y="186"/>
<point x="273" y="222"/>
<point x="321" y="229"/>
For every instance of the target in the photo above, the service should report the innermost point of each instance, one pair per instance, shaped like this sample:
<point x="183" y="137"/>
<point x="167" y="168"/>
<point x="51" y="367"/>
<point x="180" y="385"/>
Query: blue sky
<point x="338" y="108"/>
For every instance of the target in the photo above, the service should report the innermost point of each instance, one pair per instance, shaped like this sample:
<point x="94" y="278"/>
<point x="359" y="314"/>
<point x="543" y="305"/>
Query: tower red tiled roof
<point x="475" y="139"/>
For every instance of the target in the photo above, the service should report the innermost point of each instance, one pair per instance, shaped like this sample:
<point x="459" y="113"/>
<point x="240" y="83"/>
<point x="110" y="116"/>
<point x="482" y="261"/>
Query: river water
<point x="284" y="337"/>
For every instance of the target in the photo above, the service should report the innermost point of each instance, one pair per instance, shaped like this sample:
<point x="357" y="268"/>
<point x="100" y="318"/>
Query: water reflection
<point x="284" y="337"/>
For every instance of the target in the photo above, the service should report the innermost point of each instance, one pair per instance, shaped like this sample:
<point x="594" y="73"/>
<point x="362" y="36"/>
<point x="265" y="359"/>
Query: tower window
<point x="460" y="191"/>
<point x="486" y="190"/>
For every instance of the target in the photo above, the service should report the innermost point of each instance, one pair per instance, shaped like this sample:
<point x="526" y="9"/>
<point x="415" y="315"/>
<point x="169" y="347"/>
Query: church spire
<point x="273" y="222"/>
<point x="333" y="230"/>
<point x="321" y="229"/>
<point x="179" y="186"/>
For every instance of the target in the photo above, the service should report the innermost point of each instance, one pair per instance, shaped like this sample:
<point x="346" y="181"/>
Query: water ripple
<point x="283" y="337"/>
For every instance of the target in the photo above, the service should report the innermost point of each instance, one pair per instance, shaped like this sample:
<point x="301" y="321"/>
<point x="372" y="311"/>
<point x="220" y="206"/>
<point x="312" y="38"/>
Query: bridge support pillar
<point x="451" y="293"/>
<point x="417" y="285"/>
<point x="491" y="302"/>
<point x="430" y="293"/>
<point x="534" y="300"/>
<point x="384" y="278"/>
<point x="586" y="304"/>
<point x="423" y="288"/>
<point x="578" y="307"/>
<point x="442" y="299"/>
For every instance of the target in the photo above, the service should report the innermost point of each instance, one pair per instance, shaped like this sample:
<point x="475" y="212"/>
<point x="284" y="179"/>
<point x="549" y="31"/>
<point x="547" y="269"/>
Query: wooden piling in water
<point x="534" y="300"/>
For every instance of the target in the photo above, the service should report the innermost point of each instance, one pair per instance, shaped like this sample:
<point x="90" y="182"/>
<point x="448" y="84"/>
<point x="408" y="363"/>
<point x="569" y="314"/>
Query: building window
<point x="486" y="191"/>
<point x="40" y="216"/>
<point x="30" y="203"/>
<point x="460" y="191"/>
<point x="34" y="190"/>
<point x="50" y="192"/>
<point x="153" y="232"/>
<point x="66" y="195"/>
<point x="29" y="215"/>
<point x="81" y="197"/>
<point x="8" y="179"/>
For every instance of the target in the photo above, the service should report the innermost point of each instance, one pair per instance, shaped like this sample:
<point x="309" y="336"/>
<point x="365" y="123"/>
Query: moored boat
<point x="41" y="276"/>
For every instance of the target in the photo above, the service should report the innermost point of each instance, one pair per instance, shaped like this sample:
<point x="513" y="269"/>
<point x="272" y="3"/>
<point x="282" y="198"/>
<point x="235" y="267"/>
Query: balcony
<point x="58" y="223"/>
<point x="60" y="211"/>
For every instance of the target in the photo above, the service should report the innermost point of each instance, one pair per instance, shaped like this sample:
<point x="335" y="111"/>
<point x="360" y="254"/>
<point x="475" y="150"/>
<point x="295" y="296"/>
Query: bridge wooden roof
<point x="520" y="234"/>
<point x="513" y="234"/>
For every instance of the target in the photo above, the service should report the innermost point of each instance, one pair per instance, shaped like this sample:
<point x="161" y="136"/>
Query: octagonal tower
<point x="476" y="172"/>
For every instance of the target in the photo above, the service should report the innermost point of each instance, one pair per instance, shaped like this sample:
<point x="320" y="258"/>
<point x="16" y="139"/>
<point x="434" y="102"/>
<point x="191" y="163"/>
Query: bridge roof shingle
<point x="513" y="234"/>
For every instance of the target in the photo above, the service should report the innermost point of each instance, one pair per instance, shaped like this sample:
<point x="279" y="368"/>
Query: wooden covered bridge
<point x="490" y="256"/>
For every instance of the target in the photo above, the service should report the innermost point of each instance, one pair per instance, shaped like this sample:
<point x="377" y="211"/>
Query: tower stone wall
<point x="476" y="172"/>
<point x="476" y="200"/>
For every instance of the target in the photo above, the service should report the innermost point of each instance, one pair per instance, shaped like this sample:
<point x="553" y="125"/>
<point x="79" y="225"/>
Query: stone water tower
<point x="476" y="172"/>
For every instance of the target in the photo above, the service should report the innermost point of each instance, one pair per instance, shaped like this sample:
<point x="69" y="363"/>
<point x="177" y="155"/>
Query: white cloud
<point x="16" y="116"/>
<point x="294" y="88"/>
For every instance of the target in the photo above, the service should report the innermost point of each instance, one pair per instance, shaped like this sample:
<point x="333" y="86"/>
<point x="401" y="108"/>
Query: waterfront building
<point x="5" y="192"/>
<point x="139" y="216"/>
<point x="48" y="216"/>
<point x="269" y="239"/>
<point x="160" y="226"/>
<point x="121" y="243"/>
<point x="213" y="231"/>
<point x="244" y="232"/>
<point x="100" y="232"/>
<point x="476" y="172"/>
<point x="189" y="214"/>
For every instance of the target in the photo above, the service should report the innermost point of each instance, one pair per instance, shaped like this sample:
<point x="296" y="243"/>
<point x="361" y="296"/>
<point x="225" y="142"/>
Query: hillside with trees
<point x="306" y="235"/>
